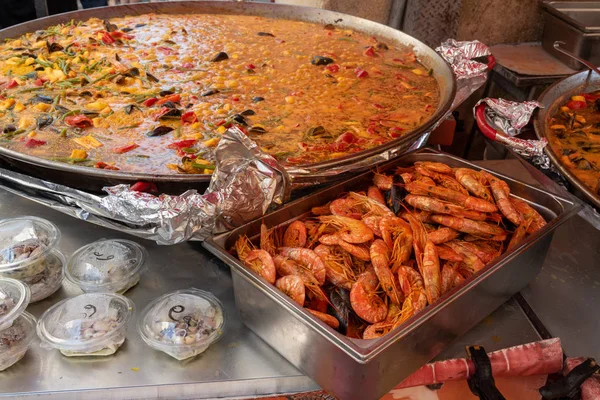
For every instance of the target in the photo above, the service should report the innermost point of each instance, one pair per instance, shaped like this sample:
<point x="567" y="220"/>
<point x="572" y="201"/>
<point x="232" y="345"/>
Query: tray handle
<point x="483" y="125"/>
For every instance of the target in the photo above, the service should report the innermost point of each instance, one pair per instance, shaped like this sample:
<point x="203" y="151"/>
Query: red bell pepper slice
<point x="146" y="187"/>
<point x="576" y="105"/>
<point x="590" y="97"/>
<point x="12" y="84"/>
<point x="162" y="111"/>
<point x="34" y="143"/>
<point x="40" y="82"/>
<point x="370" y="52"/>
<point x="182" y="144"/>
<point x="189" y="118"/>
<point x="333" y="68"/>
<point x="120" y="35"/>
<point x="395" y="132"/>
<point x="166" y="50"/>
<point x="149" y="102"/>
<point x="107" y="38"/>
<point x="125" y="149"/>
<point x="80" y="121"/>
<point x="250" y="66"/>
<point x="103" y="165"/>
<point x="361" y="73"/>
<point x="175" y="98"/>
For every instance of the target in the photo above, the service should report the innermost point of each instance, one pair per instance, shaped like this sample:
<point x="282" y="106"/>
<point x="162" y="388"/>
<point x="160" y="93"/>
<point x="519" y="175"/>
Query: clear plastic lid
<point x="112" y="265"/>
<point x="14" y="299"/>
<point x="86" y="323"/>
<point x="15" y="341"/>
<point x="49" y="280"/>
<point x="24" y="240"/>
<point x="183" y="323"/>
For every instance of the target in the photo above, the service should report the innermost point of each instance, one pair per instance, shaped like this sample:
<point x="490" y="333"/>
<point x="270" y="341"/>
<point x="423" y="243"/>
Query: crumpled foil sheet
<point x="461" y="55"/>
<point x="246" y="183"/>
<point x="509" y="117"/>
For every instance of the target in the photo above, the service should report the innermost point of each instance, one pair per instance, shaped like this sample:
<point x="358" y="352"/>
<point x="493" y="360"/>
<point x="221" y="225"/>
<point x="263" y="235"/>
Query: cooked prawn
<point x="372" y="221"/>
<point x="293" y="286"/>
<point x="442" y="207"/>
<point x="380" y="259"/>
<point x="345" y="208"/>
<point x="450" y="277"/>
<point x="504" y="204"/>
<point x="471" y="263"/>
<point x="384" y="327"/>
<point x="374" y="193"/>
<point x="322" y="210"/>
<point x="472" y="181"/>
<point x="307" y="258"/>
<point x="430" y="271"/>
<point x="519" y="233"/>
<point x="337" y="269"/>
<point x="397" y="234"/>
<point x="448" y="254"/>
<point x="261" y="262"/>
<point x="328" y="319"/>
<point x="413" y="287"/>
<point x="442" y="235"/>
<point x="481" y="249"/>
<point x="243" y="246"/>
<point x="266" y="239"/>
<point x="359" y="252"/>
<point x="349" y="229"/>
<point x="383" y="182"/>
<point x="373" y="207"/>
<point x="295" y="235"/>
<point x="468" y="202"/>
<point x="365" y="301"/>
<point x="468" y="225"/>
<point x="438" y="167"/>
<point x="528" y="212"/>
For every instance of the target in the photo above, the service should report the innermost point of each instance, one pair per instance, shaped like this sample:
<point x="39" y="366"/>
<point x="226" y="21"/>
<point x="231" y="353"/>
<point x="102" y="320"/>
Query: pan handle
<point x="491" y="62"/>
<point x="483" y="125"/>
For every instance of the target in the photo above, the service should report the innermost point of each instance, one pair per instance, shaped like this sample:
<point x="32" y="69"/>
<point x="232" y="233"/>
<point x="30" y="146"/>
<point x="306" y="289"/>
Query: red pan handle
<point x="491" y="62"/>
<point x="482" y="123"/>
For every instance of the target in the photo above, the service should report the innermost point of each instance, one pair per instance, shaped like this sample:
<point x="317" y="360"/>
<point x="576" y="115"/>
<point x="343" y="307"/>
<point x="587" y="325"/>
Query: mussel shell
<point x="40" y="98"/>
<point x="220" y="56"/>
<point x="342" y="309"/>
<point x="394" y="196"/>
<point x="320" y="60"/>
<point x="159" y="131"/>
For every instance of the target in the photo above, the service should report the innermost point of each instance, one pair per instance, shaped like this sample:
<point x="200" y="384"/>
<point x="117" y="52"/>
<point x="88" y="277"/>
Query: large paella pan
<point x="92" y="98"/>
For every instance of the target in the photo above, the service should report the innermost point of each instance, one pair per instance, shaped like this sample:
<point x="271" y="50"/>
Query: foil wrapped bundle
<point x="462" y="57"/>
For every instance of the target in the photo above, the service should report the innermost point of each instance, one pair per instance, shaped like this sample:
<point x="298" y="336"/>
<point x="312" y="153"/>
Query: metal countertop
<point x="240" y="364"/>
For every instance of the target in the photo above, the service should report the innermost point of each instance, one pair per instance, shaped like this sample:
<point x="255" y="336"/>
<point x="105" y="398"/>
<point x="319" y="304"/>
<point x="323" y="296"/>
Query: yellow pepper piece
<point x="565" y="109"/>
<point x="578" y="98"/>
<point x="19" y="107"/>
<point x="79" y="154"/>
<point x="43" y="107"/>
<point x="221" y="130"/>
<point x="211" y="142"/>
<point x="96" y="105"/>
<point x="32" y="134"/>
<point x="5" y="104"/>
<point x="88" y="141"/>
<point x="419" y="71"/>
<point x="578" y="118"/>
<point x="558" y="127"/>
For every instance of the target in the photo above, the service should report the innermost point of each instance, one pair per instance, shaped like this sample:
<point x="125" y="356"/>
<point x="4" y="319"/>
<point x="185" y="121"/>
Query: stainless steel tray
<point x="367" y="369"/>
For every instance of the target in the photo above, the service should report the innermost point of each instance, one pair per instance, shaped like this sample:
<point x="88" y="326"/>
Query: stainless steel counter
<point x="240" y="364"/>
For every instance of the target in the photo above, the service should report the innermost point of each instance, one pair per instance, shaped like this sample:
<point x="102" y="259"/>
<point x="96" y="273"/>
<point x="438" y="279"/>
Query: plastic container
<point x="91" y="324"/>
<point x="14" y="299"/>
<point x="113" y="265"/>
<point x="15" y="341"/>
<point x="47" y="282"/>
<point x="25" y="243"/>
<point x="182" y="323"/>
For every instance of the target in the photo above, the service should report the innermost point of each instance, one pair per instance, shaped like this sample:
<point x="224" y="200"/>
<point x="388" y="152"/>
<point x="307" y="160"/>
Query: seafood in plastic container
<point x="113" y="265"/>
<point x="182" y="323"/>
<point x="14" y="299"/>
<point x="15" y="340"/>
<point x="91" y="324"/>
<point x="25" y="243"/>
<point x="47" y="282"/>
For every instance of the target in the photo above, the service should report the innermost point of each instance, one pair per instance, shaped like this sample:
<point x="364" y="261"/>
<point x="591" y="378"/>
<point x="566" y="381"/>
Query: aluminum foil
<point x="245" y="184"/>
<point x="461" y="57"/>
<point x="508" y="118"/>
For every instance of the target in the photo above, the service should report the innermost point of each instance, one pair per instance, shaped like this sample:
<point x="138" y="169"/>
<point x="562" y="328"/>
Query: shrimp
<point x="243" y="246"/>
<point x="373" y="207"/>
<point x="266" y="239"/>
<point x="349" y="230"/>
<point x="468" y="226"/>
<point x="442" y="235"/>
<point x="337" y="268"/>
<point x="397" y="234"/>
<point x="328" y="319"/>
<point x="322" y="210"/>
<point x="450" y="277"/>
<point x="295" y="235"/>
<point x="383" y="182"/>
<point x="430" y="270"/>
<point x="286" y="267"/>
<point x="382" y="328"/>
<point x="314" y="232"/>
<point x="519" y="233"/>
<point x="261" y="262"/>
<point x="359" y="252"/>
<point x="448" y="254"/>
<point x="423" y="216"/>
<point x="471" y="263"/>
<point x="372" y="221"/>
<point x="412" y="285"/>
<point x="293" y="286"/>
<point x="380" y="259"/>
<point x="471" y="180"/>
<point x="374" y="193"/>
<point x="502" y="200"/>
<point x="481" y="249"/>
<point x="308" y="259"/>
<point x="441" y="207"/>
<point x="438" y="167"/>
<point x="345" y="208"/>
<point x="365" y="301"/>
<point x="468" y="202"/>
<point x="450" y="183"/>
<point x="528" y="212"/>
